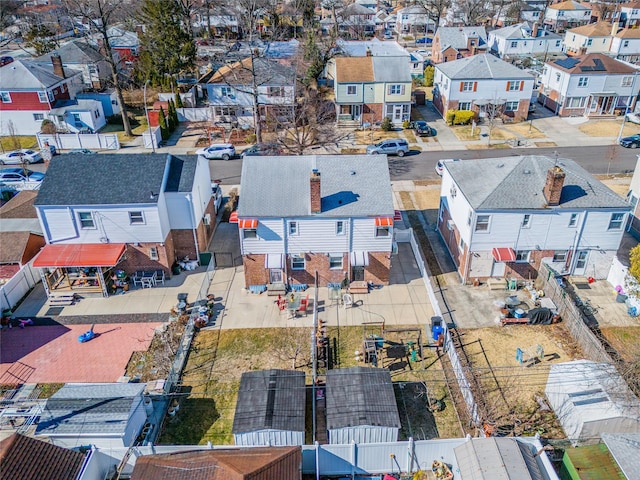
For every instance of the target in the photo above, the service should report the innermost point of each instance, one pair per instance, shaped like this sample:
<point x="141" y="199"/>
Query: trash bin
<point x="621" y="298"/>
<point x="420" y="97"/>
<point x="205" y="258"/>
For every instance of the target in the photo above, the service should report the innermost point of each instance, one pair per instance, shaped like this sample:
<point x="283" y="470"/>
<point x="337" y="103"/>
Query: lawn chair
<point x="347" y="300"/>
<point x="137" y="278"/>
<point x="304" y="304"/>
<point x="159" y="277"/>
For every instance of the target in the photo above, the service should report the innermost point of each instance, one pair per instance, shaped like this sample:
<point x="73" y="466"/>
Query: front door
<point x="498" y="269"/>
<point x="397" y="113"/>
<point x="275" y="275"/>
<point x="356" y="111"/>
<point x="581" y="262"/>
<point x="357" y="274"/>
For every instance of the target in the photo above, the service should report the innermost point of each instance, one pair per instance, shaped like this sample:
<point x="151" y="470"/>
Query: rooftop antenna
<point x="555" y="154"/>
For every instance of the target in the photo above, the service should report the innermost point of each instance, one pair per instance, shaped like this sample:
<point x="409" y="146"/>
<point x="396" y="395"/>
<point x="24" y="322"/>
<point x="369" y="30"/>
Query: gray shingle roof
<point x="517" y="183"/>
<point x="360" y="396"/>
<point x="270" y="399"/>
<point x="625" y="448"/>
<point x="391" y="69"/>
<point x="375" y="46"/>
<point x="113" y="179"/>
<point x="456" y="37"/>
<point x="523" y="30"/>
<point x="481" y="67"/>
<point x="89" y="408"/>
<point x="29" y="75"/>
<point x="351" y="186"/>
<point x="73" y="52"/>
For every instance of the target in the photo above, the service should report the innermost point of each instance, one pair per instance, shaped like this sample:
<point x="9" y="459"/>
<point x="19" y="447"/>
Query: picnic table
<point x="293" y="303"/>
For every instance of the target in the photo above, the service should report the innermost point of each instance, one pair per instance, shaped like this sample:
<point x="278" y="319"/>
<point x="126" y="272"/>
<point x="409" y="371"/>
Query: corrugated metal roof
<point x="361" y="396"/>
<point x="270" y="399"/>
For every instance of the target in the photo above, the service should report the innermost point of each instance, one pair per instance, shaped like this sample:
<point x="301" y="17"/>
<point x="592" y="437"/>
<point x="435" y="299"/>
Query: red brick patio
<point x="52" y="354"/>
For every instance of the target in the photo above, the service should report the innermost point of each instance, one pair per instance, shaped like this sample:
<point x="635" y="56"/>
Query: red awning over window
<point x="247" y="223"/>
<point x="384" y="222"/>
<point x="80" y="255"/>
<point x="233" y="218"/>
<point x="504" y="254"/>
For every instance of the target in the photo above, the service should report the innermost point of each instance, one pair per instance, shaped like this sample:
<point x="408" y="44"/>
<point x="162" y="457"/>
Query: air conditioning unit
<point x="207" y="219"/>
<point x="450" y="225"/>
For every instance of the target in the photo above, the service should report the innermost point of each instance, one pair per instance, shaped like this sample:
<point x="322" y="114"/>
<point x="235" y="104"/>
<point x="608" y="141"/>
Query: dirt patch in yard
<point x="608" y="128"/>
<point x="523" y="129"/>
<point x="625" y="341"/>
<point x="368" y="137"/>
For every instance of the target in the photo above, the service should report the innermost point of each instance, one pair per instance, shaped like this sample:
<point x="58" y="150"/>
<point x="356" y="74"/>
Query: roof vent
<point x="500" y="165"/>
<point x="352" y="172"/>
<point x="527" y="172"/>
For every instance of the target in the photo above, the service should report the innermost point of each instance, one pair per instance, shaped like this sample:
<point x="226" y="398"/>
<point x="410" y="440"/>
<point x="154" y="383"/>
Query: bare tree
<point x="293" y="345"/>
<point x="435" y="9"/>
<point x="332" y="6"/>
<point x="473" y="12"/>
<point x="100" y="15"/>
<point x="249" y="12"/>
<point x="9" y="12"/>
<point x="493" y="112"/>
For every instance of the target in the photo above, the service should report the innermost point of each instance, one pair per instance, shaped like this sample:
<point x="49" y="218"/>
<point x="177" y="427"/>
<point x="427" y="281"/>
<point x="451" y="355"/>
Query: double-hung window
<point x="583" y="81"/>
<point x="297" y="262"/>
<point x="43" y="97"/>
<point x="482" y="223"/>
<point x="511" y="106"/>
<point x="86" y="220"/>
<point x="335" y="261"/>
<point x="395" y="89"/>
<point x="340" y="227"/>
<point x="136" y="217"/>
<point x="467" y="86"/>
<point x="522" y="256"/>
<point x="513" y="86"/>
<point x="352" y="89"/>
<point x="615" y="223"/>
<point x="560" y="256"/>
<point x="293" y="228"/>
<point x="526" y="221"/>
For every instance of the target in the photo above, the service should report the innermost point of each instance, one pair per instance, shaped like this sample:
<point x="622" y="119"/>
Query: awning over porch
<point x="80" y="255"/>
<point x="504" y="254"/>
<point x="384" y="222"/>
<point x="359" y="259"/>
<point x="274" y="260"/>
<point x="247" y="223"/>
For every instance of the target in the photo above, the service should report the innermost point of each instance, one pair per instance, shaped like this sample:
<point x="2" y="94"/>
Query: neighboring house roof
<point x="393" y="69"/>
<point x="517" y="183"/>
<point x="217" y="464"/>
<point x="267" y="71"/>
<point x="29" y="75"/>
<point x="23" y="458"/>
<point x="20" y="206"/>
<point x="569" y="5"/>
<point x="355" y="9"/>
<point x="456" y="37"/>
<point x="598" y="29"/>
<point x="281" y="50"/>
<point x="270" y="400"/>
<point x="354" y="69"/>
<point x="628" y="33"/>
<point x="630" y="6"/>
<point x="497" y="458"/>
<point x="413" y="9"/>
<point x="359" y="396"/>
<point x="593" y="64"/>
<point x="115" y="179"/>
<point x="120" y="38"/>
<point x="12" y="245"/>
<point x="351" y="186"/>
<point x="481" y="67"/>
<point x="74" y="53"/>
<point x="625" y="449"/>
<point x="89" y="408"/>
<point x="523" y="30"/>
<point x="374" y="46"/>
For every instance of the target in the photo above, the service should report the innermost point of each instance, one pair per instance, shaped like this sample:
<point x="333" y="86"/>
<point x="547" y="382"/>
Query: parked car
<point x="262" y="149"/>
<point x="423" y="129"/>
<point x="225" y="151"/>
<point x="216" y="193"/>
<point x="425" y="40"/>
<point x="391" y="146"/>
<point x="12" y="176"/>
<point x="5" y="60"/>
<point x="17" y="157"/>
<point x="633" y="118"/>
<point x="440" y="164"/>
<point x="388" y="35"/>
<point x="631" y="142"/>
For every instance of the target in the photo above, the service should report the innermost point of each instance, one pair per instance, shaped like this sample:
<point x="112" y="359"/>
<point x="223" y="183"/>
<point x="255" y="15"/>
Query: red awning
<point x="247" y="223"/>
<point x="504" y="254"/>
<point x="233" y="218"/>
<point x="384" y="222"/>
<point x="80" y="255"/>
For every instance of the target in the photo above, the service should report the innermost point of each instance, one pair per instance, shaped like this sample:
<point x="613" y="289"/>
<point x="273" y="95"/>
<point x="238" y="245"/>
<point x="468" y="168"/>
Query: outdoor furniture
<point x="293" y="303"/>
<point x="159" y="276"/>
<point x="148" y="279"/>
<point x="137" y="277"/>
<point x="359" y="287"/>
<point x="304" y="304"/>
<point x="347" y="300"/>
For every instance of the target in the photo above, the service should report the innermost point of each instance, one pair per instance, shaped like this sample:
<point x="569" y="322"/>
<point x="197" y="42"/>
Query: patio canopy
<point x="247" y="223"/>
<point x="80" y="255"/>
<point x="384" y="222"/>
<point x="274" y="260"/>
<point x="359" y="259"/>
<point x="504" y="254"/>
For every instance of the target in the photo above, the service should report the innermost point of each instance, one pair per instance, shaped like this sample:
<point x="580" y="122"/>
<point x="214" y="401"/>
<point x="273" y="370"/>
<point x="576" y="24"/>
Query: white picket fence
<point x="18" y="286"/>
<point x="70" y="141"/>
<point x="203" y="114"/>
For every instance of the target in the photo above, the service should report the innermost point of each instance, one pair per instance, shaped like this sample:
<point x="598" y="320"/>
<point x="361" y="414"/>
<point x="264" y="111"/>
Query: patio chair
<point x="159" y="277"/>
<point x="136" y="278"/>
<point x="304" y="304"/>
<point x="347" y="300"/>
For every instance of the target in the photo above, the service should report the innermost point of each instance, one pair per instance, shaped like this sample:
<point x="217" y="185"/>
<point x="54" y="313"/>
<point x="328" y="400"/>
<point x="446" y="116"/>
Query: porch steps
<point x="62" y="300"/>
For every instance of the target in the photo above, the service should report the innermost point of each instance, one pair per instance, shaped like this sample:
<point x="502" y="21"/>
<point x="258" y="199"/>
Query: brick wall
<point x="372" y="112"/>
<point x="378" y="269"/>
<point x="205" y="232"/>
<point x="183" y="244"/>
<point x="254" y="271"/>
<point x="137" y="257"/>
<point x="452" y="240"/>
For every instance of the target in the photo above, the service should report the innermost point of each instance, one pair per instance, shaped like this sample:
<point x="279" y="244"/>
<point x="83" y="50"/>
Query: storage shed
<point x="497" y="459"/>
<point x="270" y="409"/>
<point x="590" y="398"/>
<point x="361" y="406"/>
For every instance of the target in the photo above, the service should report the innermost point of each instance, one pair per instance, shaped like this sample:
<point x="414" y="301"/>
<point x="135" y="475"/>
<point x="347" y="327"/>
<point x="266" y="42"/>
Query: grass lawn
<point x="24" y="141"/>
<point x="523" y="129"/>
<point x="368" y="137"/>
<point x="410" y="136"/>
<point x="608" y="128"/>
<point x="463" y="132"/>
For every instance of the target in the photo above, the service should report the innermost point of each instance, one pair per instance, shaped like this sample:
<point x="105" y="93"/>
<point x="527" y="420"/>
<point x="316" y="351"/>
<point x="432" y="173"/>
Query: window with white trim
<point x="352" y="89"/>
<point x="297" y="262"/>
<point x="626" y="81"/>
<point x="136" y="217"/>
<point x="226" y="92"/>
<point x="583" y="81"/>
<point x="5" y="97"/>
<point x="383" y="231"/>
<point x="514" y="44"/>
<point x="153" y="253"/>
<point x="511" y="106"/>
<point x="43" y="97"/>
<point x="293" y="228"/>
<point x="276" y="92"/>
<point x="522" y="256"/>
<point x="249" y="233"/>
<point x="340" y="227"/>
<point x="513" y="85"/>
<point x="395" y="89"/>
<point x="86" y="220"/>
<point x="467" y="86"/>
<point x="482" y="223"/>
<point x="573" y="220"/>
<point x="464" y="106"/>
<point x="615" y="223"/>
<point x="226" y="111"/>
<point x="576" y="102"/>
<point x="38" y="116"/>
<point x="526" y="221"/>
<point x="335" y="261"/>
<point x="560" y="256"/>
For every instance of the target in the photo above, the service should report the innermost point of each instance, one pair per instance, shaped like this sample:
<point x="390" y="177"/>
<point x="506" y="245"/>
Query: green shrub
<point x="406" y="124"/>
<point x="48" y="127"/>
<point x="251" y="138"/>
<point x="463" y="117"/>
<point x="428" y="76"/>
<point x="386" y="124"/>
<point x="451" y="114"/>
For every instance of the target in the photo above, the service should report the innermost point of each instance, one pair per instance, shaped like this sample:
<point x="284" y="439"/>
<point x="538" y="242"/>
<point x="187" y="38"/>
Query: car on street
<point x="262" y="149"/>
<point x="13" y="176"/>
<point x="388" y="35"/>
<point x="440" y="164"/>
<point x="631" y="142"/>
<point x="391" y="146"/>
<point x="17" y="157"/>
<point x="425" y="40"/>
<point x="216" y="194"/>
<point x="423" y="129"/>
<point x="633" y="118"/>
<point x="424" y="53"/>
<point x="225" y="151"/>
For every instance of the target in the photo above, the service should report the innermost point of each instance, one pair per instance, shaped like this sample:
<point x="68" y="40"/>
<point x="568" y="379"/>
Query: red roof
<point x="80" y="255"/>
<point x="504" y="254"/>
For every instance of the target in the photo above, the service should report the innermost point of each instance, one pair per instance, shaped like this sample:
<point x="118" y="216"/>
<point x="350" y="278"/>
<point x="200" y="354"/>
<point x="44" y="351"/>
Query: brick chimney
<point x="314" y="191"/>
<point x="534" y="30"/>
<point x="553" y="186"/>
<point x="58" y="69"/>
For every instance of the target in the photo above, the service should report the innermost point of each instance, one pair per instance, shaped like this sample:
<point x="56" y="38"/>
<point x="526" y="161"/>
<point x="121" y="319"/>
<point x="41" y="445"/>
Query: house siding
<point x="270" y="238"/>
<point x="26" y="101"/>
<point x="317" y="235"/>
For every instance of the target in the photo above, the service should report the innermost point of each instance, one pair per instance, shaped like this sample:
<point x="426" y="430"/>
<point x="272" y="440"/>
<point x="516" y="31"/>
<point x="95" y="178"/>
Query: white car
<point x="17" y="157"/>
<point x="633" y="118"/>
<point x="440" y="164"/>
<point x="225" y="151"/>
<point x="216" y="193"/>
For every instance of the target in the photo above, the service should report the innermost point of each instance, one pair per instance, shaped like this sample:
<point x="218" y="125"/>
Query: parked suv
<point x="225" y="151"/>
<point x="391" y="146"/>
<point x="262" y="149"/>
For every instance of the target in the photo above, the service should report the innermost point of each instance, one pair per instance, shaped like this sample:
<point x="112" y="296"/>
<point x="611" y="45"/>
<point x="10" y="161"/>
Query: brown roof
<point x="598" y="29"/>
<point x="629" y="33"/>
<point x="632" y="6"/>
<point x="568" y="5"/>
<point x="256" y="463"/>
<point x="592" y="63"/>
<point x="354" y="69"/>
<point x="12" y="245"/>
<point x="25" y="458"/>
<point x="20" y="206"/>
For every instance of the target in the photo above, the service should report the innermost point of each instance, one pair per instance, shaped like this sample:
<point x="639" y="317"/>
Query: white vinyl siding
<point x="269" y="239"/>
<point x="317" y="235"/>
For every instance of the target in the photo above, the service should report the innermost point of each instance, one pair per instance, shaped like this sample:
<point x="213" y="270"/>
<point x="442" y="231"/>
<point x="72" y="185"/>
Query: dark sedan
<point x="631" y="142"/>
<point x="262" y="149"/>
<point x="423" y="129"/>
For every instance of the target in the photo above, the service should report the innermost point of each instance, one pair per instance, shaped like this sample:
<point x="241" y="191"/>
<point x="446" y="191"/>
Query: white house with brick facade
<point x="472" y="83"/>
<point x="591" y="85"/>
<point x="130" y="212"/>
<point x="525" y="211"/>
<point x="327" y="214"/>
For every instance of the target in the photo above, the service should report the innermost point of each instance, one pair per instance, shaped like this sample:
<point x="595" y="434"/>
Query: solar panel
<point x="567" y="62"/>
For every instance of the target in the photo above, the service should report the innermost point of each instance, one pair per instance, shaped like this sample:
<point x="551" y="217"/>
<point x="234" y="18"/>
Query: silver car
<point x="391" y="146"/>
<point x="225" y="151"/>
<point x="18" y="157"/>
